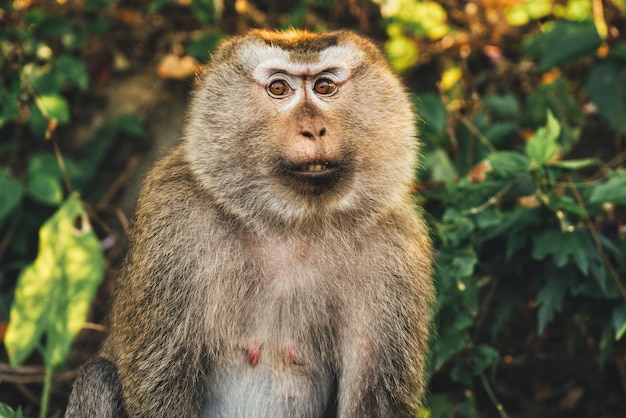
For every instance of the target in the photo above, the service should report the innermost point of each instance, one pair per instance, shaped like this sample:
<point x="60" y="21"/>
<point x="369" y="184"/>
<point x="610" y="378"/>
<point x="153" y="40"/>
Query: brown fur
<point x="313" y="297"/>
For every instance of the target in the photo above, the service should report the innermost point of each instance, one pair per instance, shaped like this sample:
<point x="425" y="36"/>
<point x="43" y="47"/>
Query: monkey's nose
<point x="313" y="129"/>
<point x="309" y="134"/>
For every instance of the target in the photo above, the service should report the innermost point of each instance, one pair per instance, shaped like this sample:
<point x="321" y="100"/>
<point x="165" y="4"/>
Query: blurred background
<point x="522" y="109"/>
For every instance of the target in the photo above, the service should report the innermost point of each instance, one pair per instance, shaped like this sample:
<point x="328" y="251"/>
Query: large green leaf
<point x="607" y="89"/>
<point x="53" y="294"/>
<point x="565" y="41"/>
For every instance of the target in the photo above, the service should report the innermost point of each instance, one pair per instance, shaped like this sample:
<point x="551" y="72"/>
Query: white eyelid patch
<point x="334" y="62"/>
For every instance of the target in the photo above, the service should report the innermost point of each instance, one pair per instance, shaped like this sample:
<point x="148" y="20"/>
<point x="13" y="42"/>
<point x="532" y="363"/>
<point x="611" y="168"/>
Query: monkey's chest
<point x="274" y="375"/>
<point x="280" y="364"/>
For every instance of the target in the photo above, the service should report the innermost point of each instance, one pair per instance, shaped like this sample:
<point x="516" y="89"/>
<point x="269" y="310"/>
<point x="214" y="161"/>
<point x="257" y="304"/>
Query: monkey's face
<point x="304" y="98"/>
<point x="295" y="124"/>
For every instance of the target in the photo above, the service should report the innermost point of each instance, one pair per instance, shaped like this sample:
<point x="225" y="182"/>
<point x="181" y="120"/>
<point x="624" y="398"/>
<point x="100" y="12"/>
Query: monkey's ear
<point x="97" y="392"/>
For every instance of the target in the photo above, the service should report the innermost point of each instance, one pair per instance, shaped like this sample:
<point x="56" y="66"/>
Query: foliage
<point x="42" y="71"/>
<point x="517" y="222"/>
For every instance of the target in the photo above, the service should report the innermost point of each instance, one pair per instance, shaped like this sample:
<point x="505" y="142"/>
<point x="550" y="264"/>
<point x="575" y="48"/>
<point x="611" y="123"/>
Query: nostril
<point x="307" y="134"/>
<point x="322" y="132"/>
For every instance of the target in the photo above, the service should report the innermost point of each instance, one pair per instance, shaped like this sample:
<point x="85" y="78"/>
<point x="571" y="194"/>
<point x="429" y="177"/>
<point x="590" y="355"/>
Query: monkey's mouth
<point x="312" y="177"/>
<point x="313" y="170"/>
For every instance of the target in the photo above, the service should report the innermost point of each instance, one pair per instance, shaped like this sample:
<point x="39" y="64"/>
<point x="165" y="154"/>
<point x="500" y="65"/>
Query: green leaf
<point x="451" y="337"/>
<point x="43" y="163"/>
<point x="457" y="226"/>
<point x="72" y="70"/>
<point x="550" y="297"/>
<point x="129" y="124"/>
<point x="54" y="26"/>
<point x="562" y="245"/>
<point x="484" y="357"/>
<point x="56" y="106"/>
<point x="439" y="407"/>
<point x="463" y="263"/>
<point x="54" y="293"/>
<point x="43" y="79"/>
<point x="607" y="90"/>
<point x="497" y="133"/>
<point x="7" y="412"/>
<point x="613" y="191"/>
<point x="204" y="10"/>
<point x="504" y="105"/>
<point x="9" y="102"/>
<point x="489" y="217"/>
<point x="619" y="51"/>
<point x="45" y="189"/>
<point x="565" y="41"/>
<point x="619" y="320"/>
<point x="473" y="363"/>
<point x="432" y="112"/>
<point x="508" y="163"/>
<point x="11" y="191"/>
<point x="156" y="5"/>
<point x="468" y="288"/>
<point x="438" y="163"/>
<point x="202" y="46"/>
<point x="543" y="146"/>
<point x="557" y="97"/>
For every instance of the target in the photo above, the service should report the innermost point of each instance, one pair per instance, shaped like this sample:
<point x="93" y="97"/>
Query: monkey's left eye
<point x="325" y="86"/>
<point x="278" y="88"/>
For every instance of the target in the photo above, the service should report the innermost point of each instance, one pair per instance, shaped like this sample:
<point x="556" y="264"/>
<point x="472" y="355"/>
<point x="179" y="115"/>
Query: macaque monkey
<point x="277" y="265"/>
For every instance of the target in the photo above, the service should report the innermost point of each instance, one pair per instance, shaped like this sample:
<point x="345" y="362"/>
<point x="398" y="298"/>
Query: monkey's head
<point x="294" y="129"/>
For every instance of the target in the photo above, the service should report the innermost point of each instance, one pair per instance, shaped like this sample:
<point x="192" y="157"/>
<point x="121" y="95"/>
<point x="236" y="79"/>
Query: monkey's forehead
<point x="301" y="53"/>
<point x="299" y="40"/>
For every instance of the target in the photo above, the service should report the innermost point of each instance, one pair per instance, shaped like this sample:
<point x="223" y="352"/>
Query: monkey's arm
<point x="156" y="336"/>
<point x="384" y="357"/>
<point x="97" y="392"/>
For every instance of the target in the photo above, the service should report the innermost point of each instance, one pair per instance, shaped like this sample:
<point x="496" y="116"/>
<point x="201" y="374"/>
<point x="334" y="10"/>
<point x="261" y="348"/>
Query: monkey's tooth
<point x="315" y="167"/>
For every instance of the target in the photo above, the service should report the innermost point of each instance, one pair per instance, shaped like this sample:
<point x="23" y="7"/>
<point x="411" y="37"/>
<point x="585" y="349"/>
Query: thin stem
<point x="45" y="396"/>
<point x="492" y="396"/>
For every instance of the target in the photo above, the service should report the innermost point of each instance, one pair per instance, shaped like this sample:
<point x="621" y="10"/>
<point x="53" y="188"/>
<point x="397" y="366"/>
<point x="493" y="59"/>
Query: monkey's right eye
<point x="278" y="88"/>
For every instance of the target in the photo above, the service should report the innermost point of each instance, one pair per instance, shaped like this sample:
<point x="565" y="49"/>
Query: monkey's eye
<point x="325" y="86"/>
<point x="278" y="88"/>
